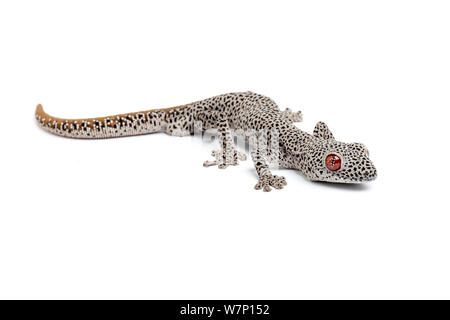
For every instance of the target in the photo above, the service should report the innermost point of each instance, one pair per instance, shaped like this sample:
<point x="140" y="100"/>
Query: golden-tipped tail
<point x="120" y="125"/>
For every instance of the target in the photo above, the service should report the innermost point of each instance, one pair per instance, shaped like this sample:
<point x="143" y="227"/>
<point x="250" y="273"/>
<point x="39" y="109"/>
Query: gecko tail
<point x="120" y="125"/>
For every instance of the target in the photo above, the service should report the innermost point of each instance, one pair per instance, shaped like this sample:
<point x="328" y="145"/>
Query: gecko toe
<point x="224" y="159"/>
<point x="267" y="181"/>
<point x="258" y="186"/>
<point x="209" y="163"/>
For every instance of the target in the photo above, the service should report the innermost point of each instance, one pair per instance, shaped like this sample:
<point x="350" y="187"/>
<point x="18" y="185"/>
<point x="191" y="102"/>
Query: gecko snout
<point x="370" y="174"/>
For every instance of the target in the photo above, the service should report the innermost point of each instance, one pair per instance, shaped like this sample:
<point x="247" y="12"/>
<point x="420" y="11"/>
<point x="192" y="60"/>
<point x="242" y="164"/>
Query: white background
<point x="140" y="217"/>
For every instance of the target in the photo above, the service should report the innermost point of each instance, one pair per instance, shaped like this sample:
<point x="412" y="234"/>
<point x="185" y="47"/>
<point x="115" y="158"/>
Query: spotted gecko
<point x="271" y="133"/>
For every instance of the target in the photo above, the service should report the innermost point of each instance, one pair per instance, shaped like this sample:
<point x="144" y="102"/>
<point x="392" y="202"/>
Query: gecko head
<point x="333" y="161"/>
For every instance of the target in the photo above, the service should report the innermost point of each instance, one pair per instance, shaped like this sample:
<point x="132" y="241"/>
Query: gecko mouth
<point x="365" y="176"/>
<point x="365" y="173"/>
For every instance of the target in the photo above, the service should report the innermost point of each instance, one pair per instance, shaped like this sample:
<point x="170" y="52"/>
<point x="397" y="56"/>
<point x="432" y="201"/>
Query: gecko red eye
<point x="333" y="162"/>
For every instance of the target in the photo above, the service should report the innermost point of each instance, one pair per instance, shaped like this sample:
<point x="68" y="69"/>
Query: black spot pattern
<point x="252" y="114"/>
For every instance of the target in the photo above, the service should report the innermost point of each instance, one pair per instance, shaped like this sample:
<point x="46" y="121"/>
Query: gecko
<point x="319" y="156"/>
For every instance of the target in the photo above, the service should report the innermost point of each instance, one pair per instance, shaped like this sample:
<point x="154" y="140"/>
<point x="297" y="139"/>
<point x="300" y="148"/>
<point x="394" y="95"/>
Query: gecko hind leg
<point x="227" y="155"/>
<point x="226" y="158"/>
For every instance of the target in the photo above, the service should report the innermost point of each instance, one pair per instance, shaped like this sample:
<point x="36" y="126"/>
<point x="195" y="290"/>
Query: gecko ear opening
<point x="321" y="131"/>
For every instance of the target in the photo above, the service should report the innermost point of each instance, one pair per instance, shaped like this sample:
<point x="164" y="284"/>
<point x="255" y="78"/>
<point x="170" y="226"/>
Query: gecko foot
<point x="266" y="181"/>
<point x="224" y="159"/>
<point x="292" y="116"/>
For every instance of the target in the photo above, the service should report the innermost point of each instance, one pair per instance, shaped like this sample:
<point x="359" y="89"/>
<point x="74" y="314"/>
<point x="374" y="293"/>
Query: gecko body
<point x="270" y="131"/>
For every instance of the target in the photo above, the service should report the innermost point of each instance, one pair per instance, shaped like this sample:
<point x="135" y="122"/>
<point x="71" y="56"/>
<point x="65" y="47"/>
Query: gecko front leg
<point x="266" y="179"/>
<point x="227" y="155"/>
